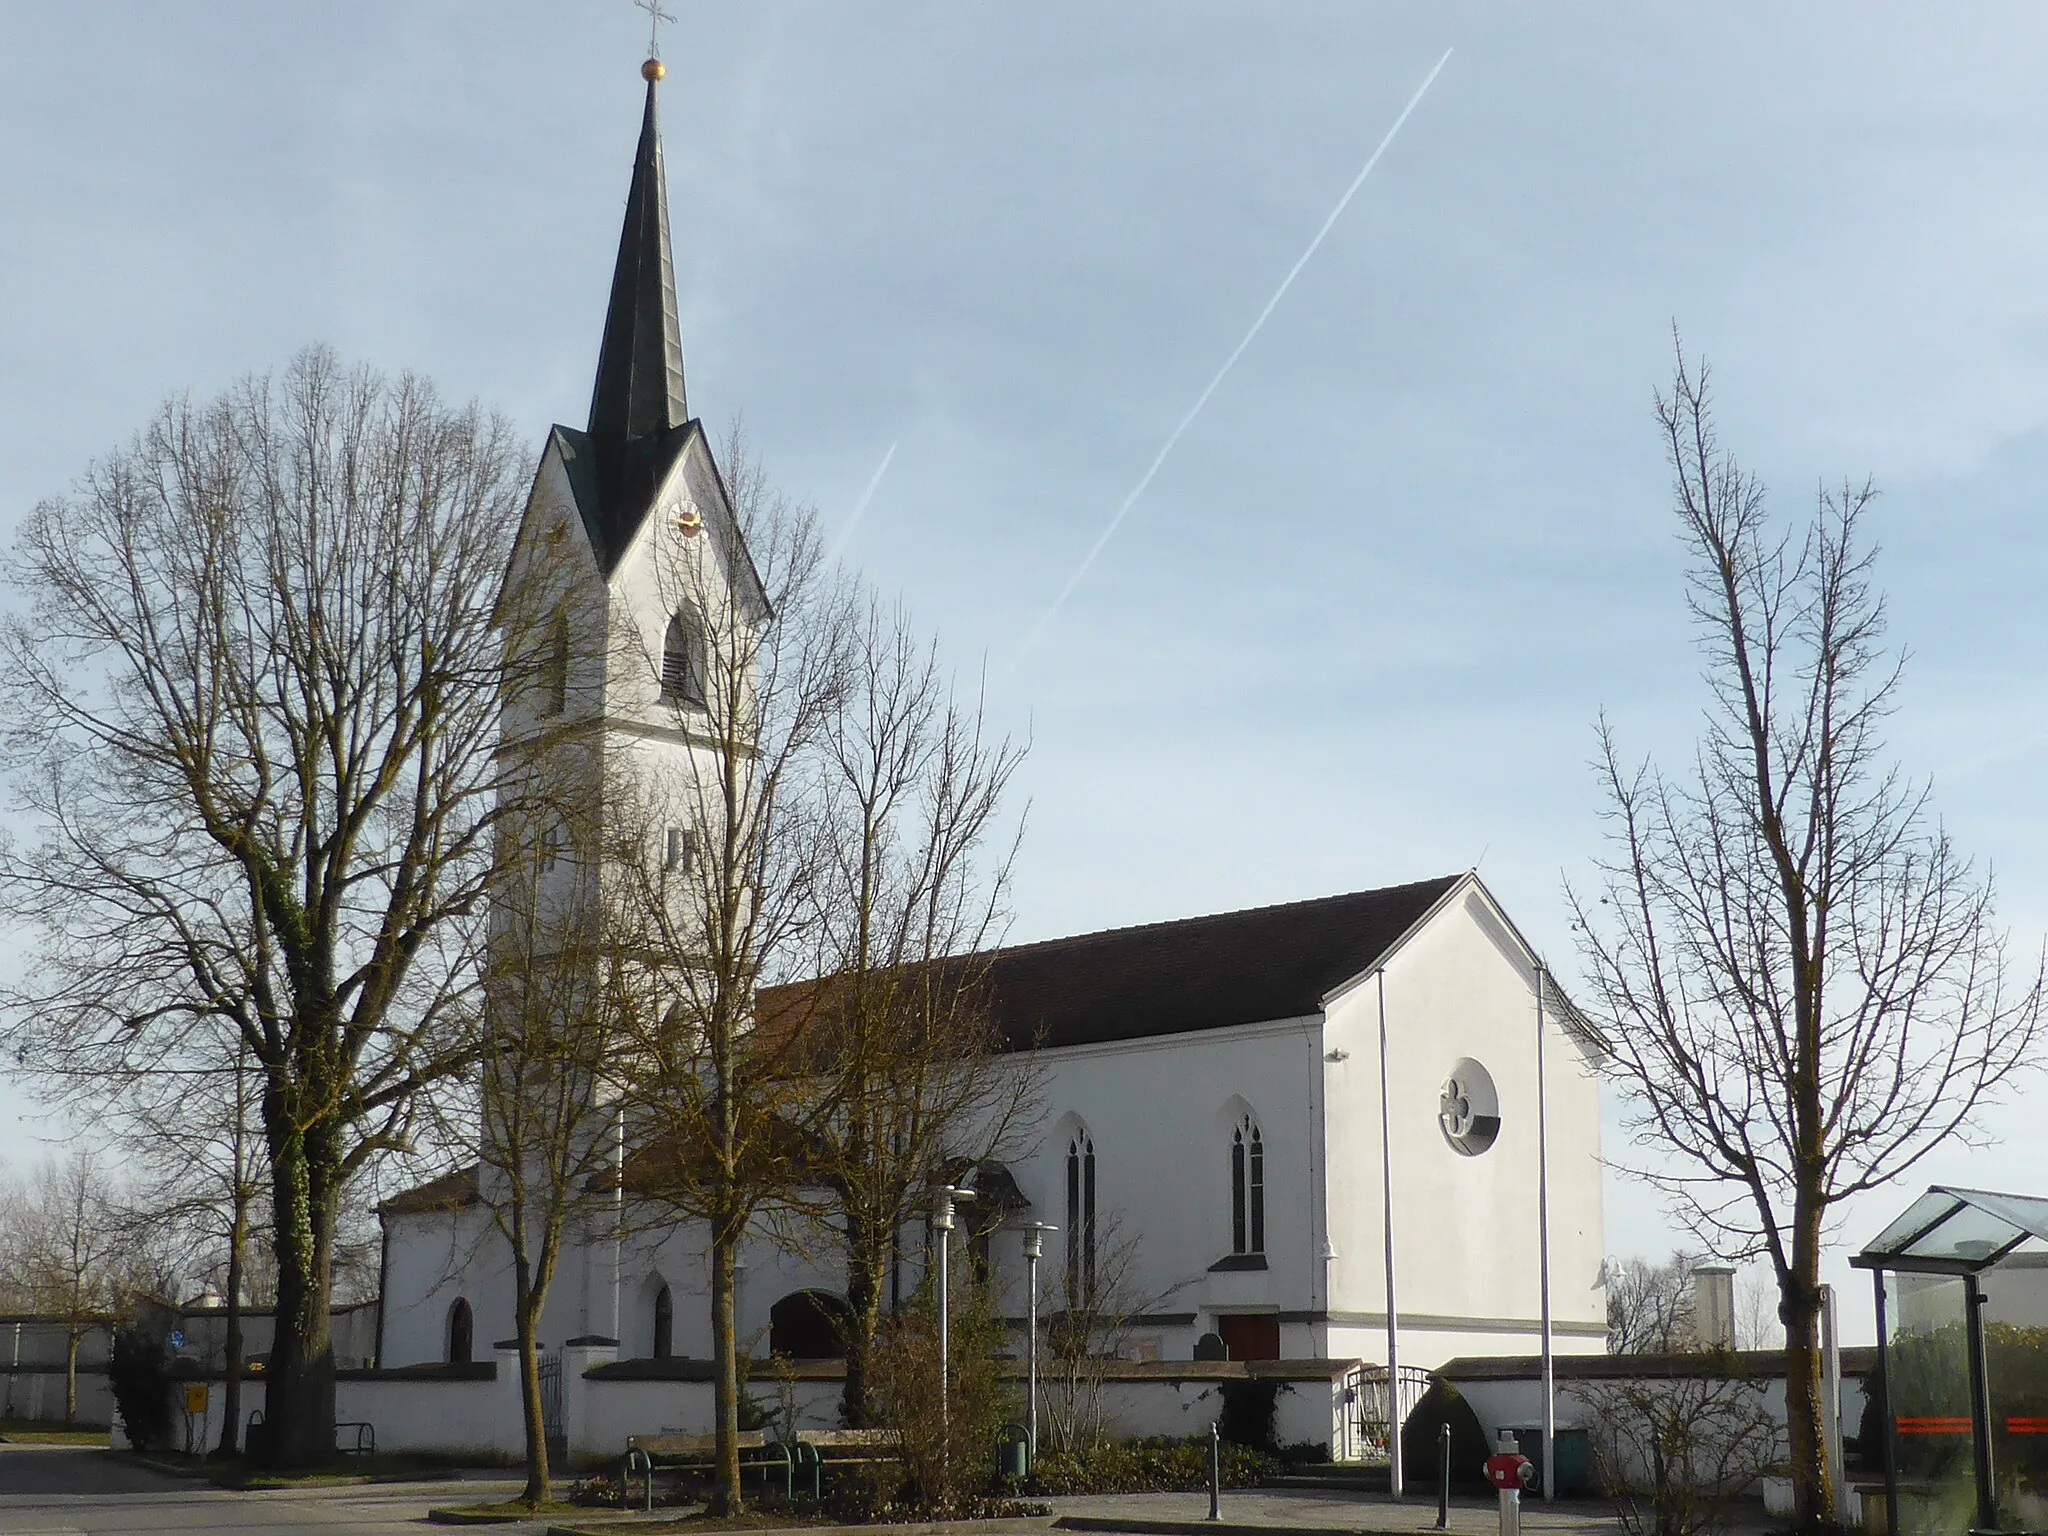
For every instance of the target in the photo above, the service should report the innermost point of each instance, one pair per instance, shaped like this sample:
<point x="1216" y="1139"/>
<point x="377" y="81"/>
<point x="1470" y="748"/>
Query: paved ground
<point x="64" y="1491"/>
<point x="1338" y="1510"/>
<point x="60" y="1491"/>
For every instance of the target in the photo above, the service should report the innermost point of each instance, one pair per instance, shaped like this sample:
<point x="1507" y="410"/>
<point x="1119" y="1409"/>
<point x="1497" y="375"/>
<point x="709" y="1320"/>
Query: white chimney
<point x="1713" y="1305"/>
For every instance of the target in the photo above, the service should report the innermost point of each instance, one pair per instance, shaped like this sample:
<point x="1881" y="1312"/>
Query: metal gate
<point x="1374" y="1408"/>
<point x="550" y="1373"/>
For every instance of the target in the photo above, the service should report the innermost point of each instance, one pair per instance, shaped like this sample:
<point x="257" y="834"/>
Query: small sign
<point x="195" y="1397"/>
<point x="177" y="1338"/>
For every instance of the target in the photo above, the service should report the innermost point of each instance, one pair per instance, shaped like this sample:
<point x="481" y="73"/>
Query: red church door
<point x="1250" y="1335"/>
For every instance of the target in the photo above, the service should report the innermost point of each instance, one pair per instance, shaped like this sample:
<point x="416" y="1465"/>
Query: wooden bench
<point x="841" y="1447"/>
<point x="645" y="1453"/>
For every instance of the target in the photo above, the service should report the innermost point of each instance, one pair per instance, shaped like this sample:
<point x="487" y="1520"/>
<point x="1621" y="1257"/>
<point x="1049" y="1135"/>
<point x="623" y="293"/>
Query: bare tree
<point x="1802" y="978"/>
<point x="1677" y="1452"/>
<point x="253" y="702"/>
<point x="65" y="1250"/>
<point x="910" y="885"/>
<point x="1102" y="1304"/>
<point x="196" y="1143"/>
<point x="550" y="1146"/>
<point x="1650" y="1307"/>
<point x="713" y="858"/>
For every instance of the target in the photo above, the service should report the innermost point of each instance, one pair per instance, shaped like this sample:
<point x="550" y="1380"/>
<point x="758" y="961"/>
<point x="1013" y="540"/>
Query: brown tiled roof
<point x="1197" y="973"/>
<point x="450" y="1192"/>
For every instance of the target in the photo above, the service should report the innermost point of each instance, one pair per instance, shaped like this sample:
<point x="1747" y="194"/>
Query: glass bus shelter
<point x="1961" y="1284"/>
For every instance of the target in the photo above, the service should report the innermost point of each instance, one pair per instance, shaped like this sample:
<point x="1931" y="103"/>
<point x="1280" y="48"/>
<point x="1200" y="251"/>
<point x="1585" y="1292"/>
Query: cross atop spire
<point x="639" y="388"/>
<point x="655" y="17"/>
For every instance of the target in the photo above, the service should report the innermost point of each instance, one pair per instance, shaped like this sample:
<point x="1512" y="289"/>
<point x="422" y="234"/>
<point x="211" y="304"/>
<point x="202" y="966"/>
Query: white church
<point x="1331" y="1131"/>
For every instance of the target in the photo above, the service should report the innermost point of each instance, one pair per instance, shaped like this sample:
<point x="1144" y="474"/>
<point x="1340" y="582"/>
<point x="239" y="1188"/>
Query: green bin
<point x="1013" y="1455"/>
<point x="1574" y="1458"/>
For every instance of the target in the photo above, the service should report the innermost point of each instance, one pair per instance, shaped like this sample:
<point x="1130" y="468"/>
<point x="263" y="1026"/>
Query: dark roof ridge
<point x="1446" y="881"/>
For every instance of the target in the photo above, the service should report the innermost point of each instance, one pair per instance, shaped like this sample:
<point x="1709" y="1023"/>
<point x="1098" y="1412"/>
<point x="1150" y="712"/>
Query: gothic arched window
<point x="1080" y="1219"/>
<point x="682" y="661"/>
<point x="664" y="1324"/>
<point x="1247" y="1189"/>
<point x="461" y="1332"/>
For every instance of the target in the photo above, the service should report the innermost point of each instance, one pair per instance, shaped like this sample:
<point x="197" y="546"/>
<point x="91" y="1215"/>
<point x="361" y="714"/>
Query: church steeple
<point x="639" y="389"/>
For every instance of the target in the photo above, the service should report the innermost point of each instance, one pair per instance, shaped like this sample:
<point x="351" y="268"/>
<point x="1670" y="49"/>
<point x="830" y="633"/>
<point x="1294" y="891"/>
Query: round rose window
<point x="1468" y="1109"/>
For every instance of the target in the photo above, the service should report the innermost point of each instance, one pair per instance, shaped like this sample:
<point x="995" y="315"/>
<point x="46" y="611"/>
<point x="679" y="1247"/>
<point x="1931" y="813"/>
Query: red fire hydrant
<point x="1510" y="1472"/>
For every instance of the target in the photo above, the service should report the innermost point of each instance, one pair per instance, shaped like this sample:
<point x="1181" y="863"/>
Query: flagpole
<point x="1543" y="1250"/>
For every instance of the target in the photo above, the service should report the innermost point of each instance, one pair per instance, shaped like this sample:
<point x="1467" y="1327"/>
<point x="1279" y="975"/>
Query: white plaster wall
<point x="39" y="1395"/>
<point x="1161" y="1112"/>
<point x="1465" y="1228"/>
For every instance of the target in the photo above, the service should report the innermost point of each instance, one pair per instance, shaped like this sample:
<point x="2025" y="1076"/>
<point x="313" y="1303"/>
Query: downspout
<point x="383" y="1280"/>
<point x="1320" y="1252"/>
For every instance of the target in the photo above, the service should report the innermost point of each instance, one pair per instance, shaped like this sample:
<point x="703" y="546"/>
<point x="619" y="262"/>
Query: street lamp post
<point x="1034" y="1250"/>
<point x="946" y="1197"/>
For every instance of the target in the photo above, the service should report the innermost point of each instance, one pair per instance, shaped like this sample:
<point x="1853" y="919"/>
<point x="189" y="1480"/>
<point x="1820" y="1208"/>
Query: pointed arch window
<point x="1247" y="1188"/>
<point x="461" y="1332"/>
<point x="664" y="1324"/>
<point x="682" y="658"/>
<point x="1080" y="1219"/>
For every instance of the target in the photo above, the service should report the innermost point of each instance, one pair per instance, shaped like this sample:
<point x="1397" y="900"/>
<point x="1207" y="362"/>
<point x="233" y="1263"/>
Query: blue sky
<point x="1359" y="626"/>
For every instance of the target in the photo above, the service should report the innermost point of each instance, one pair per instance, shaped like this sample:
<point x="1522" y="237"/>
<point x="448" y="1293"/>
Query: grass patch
<point x="44" y="1432"/>
<point x="236" y="1474"/>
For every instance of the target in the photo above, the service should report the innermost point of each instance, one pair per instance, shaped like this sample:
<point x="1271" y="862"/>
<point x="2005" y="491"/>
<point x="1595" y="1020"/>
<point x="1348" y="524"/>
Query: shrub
<point x="141" y="1385"/>
<point x="949" y="1462"/>
<point x="1422" y="1433"/>
<point x="1150" y="1466"/>
<point x="1676" y="1452"/>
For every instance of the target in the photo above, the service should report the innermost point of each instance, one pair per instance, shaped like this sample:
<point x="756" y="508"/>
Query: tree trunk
<point x="299" y="1395"/>
<point x="1799" y="1310"/>
<point x="726" y="1498"/>
<point x="71" y="1336"/>
<point x="864" y="1321"/>
<point x="537" y="1486"/>
<point x="231" y="1387"/>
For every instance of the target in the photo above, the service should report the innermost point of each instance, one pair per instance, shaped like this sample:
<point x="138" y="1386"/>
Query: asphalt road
<point x="61" y="1491"/>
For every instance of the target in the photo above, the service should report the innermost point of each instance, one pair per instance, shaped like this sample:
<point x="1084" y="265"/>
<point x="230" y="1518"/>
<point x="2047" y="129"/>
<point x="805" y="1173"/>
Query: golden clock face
<point x="689" y="522"/>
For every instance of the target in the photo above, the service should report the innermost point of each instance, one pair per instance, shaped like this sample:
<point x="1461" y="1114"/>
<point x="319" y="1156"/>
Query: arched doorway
<point x="808" y="1325"/>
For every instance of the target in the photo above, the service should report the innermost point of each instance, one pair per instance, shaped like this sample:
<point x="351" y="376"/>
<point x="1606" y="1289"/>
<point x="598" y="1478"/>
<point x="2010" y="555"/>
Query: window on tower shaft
<point x="554" y="666"/>
<point x="682" y="661"/>
<point x="677" y="854"/>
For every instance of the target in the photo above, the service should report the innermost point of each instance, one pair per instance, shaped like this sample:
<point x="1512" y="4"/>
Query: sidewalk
<point x="1258" y="1511"/>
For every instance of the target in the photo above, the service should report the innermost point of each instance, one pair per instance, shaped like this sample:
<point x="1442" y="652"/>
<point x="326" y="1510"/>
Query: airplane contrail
<point x="1109" y="532"/>
<point x="861" y="506"/>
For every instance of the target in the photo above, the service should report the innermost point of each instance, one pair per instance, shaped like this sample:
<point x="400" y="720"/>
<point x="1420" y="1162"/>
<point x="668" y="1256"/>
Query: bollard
<point x="1443" y="1474"/>
<point x="1215" y="1473"/>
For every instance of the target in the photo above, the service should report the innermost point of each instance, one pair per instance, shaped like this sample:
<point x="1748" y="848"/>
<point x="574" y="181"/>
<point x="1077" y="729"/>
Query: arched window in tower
<point x="664" y="1324"/>
<point x="554" y="666"/>
<point x="682" y="659"/>
<point x="1247" y="1188"/>
<point x="461" y="1332"/>
<point x="1080" y="1219"/>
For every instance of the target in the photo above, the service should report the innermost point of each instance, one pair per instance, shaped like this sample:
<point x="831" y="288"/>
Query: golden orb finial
<point x="653" y="69"/>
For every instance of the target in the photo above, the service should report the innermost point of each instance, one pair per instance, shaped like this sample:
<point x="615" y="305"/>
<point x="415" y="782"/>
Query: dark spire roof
<point x="639" y="390"/>
<point x="639" y="422"/>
